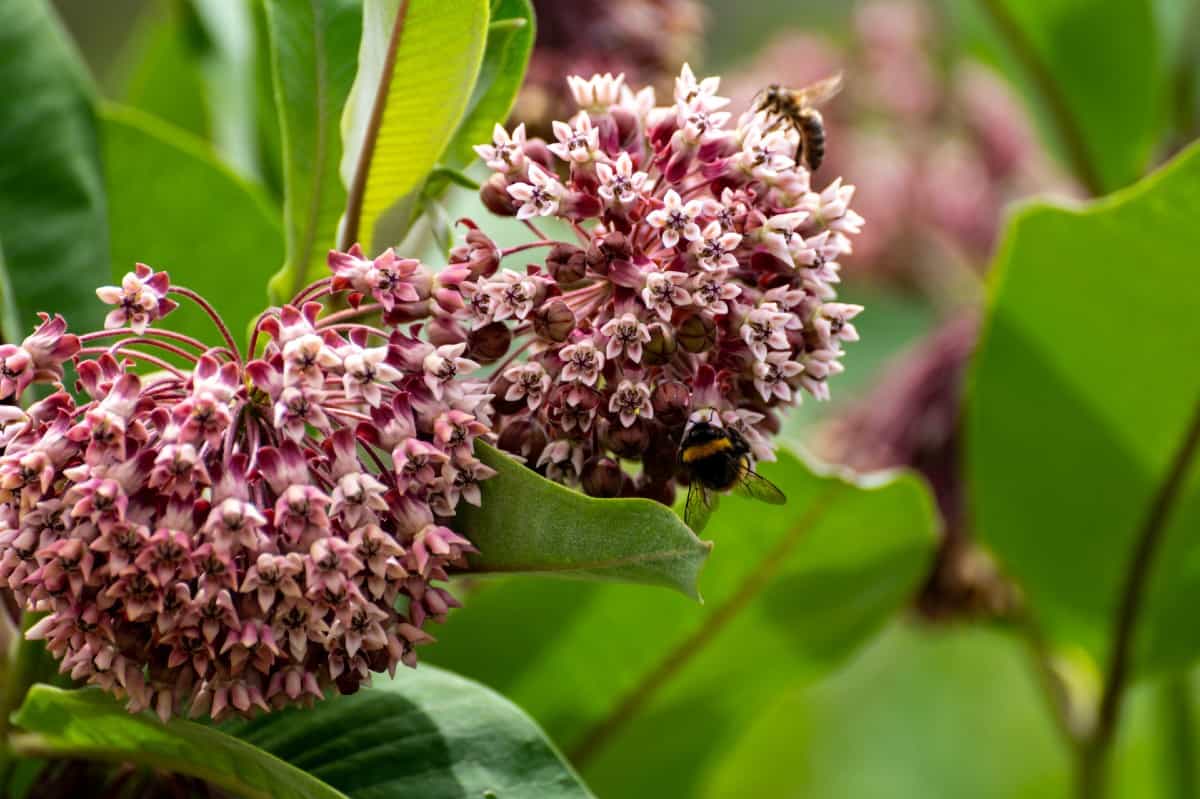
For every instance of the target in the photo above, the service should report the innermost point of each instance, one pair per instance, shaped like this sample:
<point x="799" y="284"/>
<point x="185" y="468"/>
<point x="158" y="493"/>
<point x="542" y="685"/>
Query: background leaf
<point x="1083" y="385"/>
<point x="90" y="724"/>
<point x="529" y="524"/>
<point x="642" y="688"/>
<point x="510" y="38"/>
<point x="52" y="205"/>
<point x="174" y="206"/>
<point x="425" y="733"/>
<point x="416" y="70"/>
<point x="313" y="52"/>
<point x="1106" y="130"/>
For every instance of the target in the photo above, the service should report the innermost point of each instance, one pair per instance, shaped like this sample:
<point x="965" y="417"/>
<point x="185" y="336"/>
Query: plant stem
<point x="1069" y="130"/>
<point x="1094" y="757"/>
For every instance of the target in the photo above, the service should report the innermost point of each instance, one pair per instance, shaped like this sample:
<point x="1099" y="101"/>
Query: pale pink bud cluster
<point x="212" y="534"/>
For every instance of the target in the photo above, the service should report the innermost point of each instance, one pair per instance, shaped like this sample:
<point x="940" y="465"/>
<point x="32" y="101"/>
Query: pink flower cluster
<point x="212" y="533"/>
<point x="692" y="276"/>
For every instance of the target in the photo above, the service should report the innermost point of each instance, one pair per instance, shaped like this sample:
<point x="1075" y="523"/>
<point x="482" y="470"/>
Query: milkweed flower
<point x="697" y="280"/>
<point x="211" y="531"/>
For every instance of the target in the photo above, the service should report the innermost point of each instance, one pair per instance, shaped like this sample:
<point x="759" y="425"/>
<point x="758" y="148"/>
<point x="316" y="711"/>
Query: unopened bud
<point x="662" y="491"/>
<point x="566" y="263"/>
<point x="697" y="333"/>
<point x="445" y="330"/>
<point x="495" y="197"/>
<point x="659" y="461"/>
<point x="489" y="343"/>
<point x="523" y="437"/>
<point x="602" y="477"/>
<point x="671" y="400"/>
<point x="628" y="442"/>
<point x="536" y="150"/>
<point x="554" y="321"/>
<point x="661" y="346"/>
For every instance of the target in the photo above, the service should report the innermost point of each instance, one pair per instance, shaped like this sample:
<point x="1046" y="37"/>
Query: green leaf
<point x="425" y="733"/>
<point x="313" y="49"/>
<point x="52" y="205"/>
<point x="1106" y="129"/>
<point x="643" y="688"/>
<point x="509" y="42"/>
<point x="162" y="75"/>
<point x="416" y="70"/>
<point x="1083" y="386"/>
<point x="174" y="206"/>
<point x="529" y="524"/>
<point x="898" y="722"/>
<point x="90" y="724"/>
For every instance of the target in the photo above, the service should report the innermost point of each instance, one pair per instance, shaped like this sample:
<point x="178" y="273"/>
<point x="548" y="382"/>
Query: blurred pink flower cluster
<point x="938" y="150"/>
<point x="646" y="40"/>
<point x="694" y="280"/>
<point x="213" y="534"/>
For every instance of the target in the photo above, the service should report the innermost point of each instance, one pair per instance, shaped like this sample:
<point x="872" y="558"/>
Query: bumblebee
<point x="717" y="459"/>
<point x="796" y="108"/>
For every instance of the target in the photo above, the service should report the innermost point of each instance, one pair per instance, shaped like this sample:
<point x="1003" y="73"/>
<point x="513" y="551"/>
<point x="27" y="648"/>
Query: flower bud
<point x="489" y="343"/>
<point x="536" y="150"/>
<point x="602" y="477"/>
<point x="523" y="437"/>
<point x="495" y="197"/>
<point x="697" y="333"/>
<point x="661" y="346"/>
<point x="628" y="442"/>
<point x="566" y="263"/>
<point x="659" y="462"/>
<point x="671" y="400"/>
<point x="554" y="321"/>
<point x="444" y="330"/>
<point x="657" y="490"/>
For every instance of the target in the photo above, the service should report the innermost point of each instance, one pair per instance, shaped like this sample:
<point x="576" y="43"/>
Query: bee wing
<point x="754" y="485"/>
<point x="821" y="91"/>
<point x="700" y="505"/>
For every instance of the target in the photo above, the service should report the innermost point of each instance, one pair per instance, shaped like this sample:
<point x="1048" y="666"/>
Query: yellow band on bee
<point x="699" y="451"/>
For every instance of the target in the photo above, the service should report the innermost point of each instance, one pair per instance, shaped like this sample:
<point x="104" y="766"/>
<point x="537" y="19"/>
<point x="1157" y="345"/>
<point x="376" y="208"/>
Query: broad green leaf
<point x="952" y="711"/>
<point x="162" y="74"/>
<point x="90" y="724"/>
<point x="641" y="687"/>
<point x="416" y="71"/>
<point x="313" y="50"/>
<point x="1083" y="386"/>
<point x="1106" y="130"/>
<point x="52" y="205"/>
<point x="193" y="63"/>
<point x="174" y="206"/>
<point x="529" y="524"/>
<point x="509" y="42"/>
<point x="425" y="733"/>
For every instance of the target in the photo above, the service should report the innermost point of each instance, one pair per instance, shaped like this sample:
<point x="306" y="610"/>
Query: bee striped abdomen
<point x="812" y="138"/>
<point x="706" y="449"/>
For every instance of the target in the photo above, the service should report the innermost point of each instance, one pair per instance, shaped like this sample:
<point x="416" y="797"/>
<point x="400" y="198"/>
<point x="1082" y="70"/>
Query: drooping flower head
<point x="214" y="532"/>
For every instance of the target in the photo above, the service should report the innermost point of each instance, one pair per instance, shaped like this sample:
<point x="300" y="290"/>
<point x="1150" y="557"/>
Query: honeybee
<point x="796" y="108"/>
<point x="717" y="459"/>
